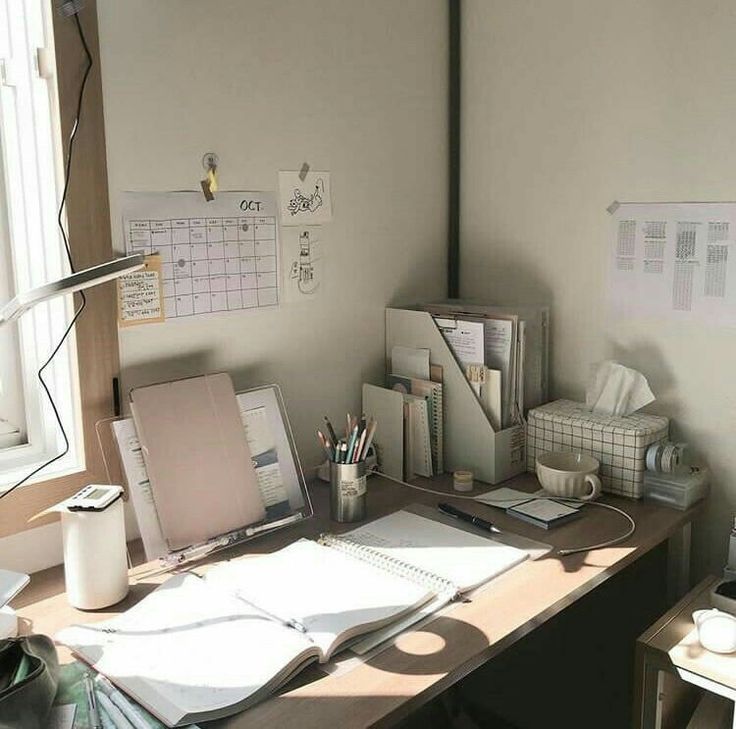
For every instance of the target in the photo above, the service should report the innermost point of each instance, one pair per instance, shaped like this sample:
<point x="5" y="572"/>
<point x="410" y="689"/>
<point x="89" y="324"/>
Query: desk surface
<point x="425" y="662"/>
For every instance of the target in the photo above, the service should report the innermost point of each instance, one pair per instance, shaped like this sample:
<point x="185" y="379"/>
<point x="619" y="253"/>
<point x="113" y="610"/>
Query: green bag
<point x="29" y="674"/>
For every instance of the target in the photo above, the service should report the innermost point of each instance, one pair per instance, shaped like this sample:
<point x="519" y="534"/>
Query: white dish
<point x="716" y="630"/>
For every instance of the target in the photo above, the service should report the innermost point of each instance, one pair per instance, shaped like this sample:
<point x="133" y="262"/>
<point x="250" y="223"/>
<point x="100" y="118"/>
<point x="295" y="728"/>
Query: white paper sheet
<point x="500" y="343"/>
<point x="303" y="252"/>
<point x="504" y="497"/>
<point x="466" y="560"/>
<point x="674" y="260"/>
<point x="307" y="201"/>
<point x="215" y="256"/>
<point x="342" y="593"/>
<point x="139" y="488"/>
<point x="410" y="362"/>
<point x="466" y="339"/>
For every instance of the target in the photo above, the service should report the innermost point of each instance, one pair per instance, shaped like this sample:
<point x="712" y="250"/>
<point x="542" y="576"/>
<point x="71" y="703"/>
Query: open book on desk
<point x="198" y="649"/>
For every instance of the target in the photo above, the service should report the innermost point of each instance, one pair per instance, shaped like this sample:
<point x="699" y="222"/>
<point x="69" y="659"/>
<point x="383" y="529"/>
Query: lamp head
<point x="77" y="281"/>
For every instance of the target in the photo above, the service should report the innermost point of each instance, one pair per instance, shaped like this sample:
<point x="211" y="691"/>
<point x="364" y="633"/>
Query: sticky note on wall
<point x="140" y="295"/>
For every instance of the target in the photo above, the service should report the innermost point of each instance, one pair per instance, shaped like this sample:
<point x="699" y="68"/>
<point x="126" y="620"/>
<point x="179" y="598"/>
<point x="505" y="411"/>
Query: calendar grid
<point x="211" y="264"/>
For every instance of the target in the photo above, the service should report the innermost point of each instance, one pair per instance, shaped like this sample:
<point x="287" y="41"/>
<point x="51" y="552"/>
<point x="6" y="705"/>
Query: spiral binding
<point x="425" y="578"/>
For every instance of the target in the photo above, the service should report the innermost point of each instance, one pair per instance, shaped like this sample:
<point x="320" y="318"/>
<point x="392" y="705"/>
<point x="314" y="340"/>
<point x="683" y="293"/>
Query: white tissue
<point x="617" y="390"/>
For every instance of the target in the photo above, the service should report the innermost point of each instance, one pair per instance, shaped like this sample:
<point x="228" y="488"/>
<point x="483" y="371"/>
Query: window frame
<point x="30" y="126"/>
<point x="88" y="222"/>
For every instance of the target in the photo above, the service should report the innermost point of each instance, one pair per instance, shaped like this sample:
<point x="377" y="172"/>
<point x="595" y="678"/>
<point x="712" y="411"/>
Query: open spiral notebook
<point x="198" y="649"/>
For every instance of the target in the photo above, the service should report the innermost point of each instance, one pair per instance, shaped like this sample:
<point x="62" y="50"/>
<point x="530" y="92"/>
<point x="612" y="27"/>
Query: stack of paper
<point x="499" y="348"/>
<point x="409" y="440"/>
<point x="431" y="392"/>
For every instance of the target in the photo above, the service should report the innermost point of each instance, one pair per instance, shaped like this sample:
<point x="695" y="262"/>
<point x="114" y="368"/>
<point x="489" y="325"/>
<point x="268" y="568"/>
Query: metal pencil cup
<point x="347" y="491"/>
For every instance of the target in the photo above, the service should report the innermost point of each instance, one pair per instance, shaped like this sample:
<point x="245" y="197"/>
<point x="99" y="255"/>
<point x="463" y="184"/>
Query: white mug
<point x="569" y="475"/>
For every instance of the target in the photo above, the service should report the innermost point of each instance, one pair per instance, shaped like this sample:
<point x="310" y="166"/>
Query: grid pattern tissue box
<point x="619" y="442"/>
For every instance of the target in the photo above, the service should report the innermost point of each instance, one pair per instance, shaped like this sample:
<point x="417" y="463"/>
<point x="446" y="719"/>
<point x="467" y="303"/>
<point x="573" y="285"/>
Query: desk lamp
<point x="12" y="582"/>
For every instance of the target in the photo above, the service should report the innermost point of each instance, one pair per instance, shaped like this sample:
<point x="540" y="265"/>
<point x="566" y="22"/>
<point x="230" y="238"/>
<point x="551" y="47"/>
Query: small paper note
<point x="140" y="295"/>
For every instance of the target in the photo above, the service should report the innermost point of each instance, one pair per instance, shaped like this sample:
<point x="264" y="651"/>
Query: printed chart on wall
<point x="215" y="256"/>
<point x="674" y="260"/>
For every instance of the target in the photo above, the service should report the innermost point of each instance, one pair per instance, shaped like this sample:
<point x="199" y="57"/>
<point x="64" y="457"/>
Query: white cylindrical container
<point x="95" y="557"/>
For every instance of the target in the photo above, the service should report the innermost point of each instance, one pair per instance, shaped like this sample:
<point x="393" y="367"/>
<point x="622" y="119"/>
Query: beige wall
<point x="568" y="105"/>
<point x="352" y="87"/>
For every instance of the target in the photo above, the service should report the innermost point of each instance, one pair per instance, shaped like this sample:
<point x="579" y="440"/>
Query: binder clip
<point x="209" y="184"/>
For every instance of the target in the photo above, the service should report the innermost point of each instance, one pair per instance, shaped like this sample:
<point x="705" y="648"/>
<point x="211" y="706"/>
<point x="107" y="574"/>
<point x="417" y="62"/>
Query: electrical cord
<point x="67" y="249"/>
<point x="562" y="552"/>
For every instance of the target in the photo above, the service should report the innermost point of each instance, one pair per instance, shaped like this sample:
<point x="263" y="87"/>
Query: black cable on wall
<point x="453" y="193"/>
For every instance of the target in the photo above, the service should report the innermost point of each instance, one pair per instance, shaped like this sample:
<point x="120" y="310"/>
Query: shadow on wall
<point x="501" y="275"/>
<point x="528" y="288"/>
<point x="413" y="287"/>
<point x="165" y="369"/>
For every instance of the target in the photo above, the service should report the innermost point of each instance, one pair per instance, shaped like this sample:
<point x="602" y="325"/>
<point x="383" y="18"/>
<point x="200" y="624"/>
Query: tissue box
<point x="619" y="442"/>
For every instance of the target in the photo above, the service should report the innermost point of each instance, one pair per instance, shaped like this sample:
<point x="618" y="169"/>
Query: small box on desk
<point x="619" y="442"/>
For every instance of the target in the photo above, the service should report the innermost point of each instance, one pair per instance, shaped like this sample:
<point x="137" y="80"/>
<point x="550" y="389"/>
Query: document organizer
<point x="265" y="416"/>
<point x="470" y="440"/>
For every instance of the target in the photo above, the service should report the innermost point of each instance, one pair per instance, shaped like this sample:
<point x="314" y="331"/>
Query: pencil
<point x="352" y="444"/>
<point x="369" y="439"/>
<point x="323" y="442"/>
<point x="331" y="430"/>
<point x="359" y="449"/>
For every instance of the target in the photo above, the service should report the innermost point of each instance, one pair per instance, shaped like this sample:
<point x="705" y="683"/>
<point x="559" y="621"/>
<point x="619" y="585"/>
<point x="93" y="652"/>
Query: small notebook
<point x="420" y="439"/>
<point x="432" y="392"/>
<point x="198" y="649"/>
<point x="387" y="407"/>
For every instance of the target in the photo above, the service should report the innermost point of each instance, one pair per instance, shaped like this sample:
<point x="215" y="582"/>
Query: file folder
<point x="470" y="440"/>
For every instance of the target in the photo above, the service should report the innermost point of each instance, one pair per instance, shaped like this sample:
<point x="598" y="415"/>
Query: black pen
<point x="450" y="510"/>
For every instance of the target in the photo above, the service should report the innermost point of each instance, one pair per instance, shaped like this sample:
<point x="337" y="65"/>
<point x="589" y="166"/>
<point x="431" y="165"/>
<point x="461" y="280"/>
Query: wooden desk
<point x="423" y="663"/>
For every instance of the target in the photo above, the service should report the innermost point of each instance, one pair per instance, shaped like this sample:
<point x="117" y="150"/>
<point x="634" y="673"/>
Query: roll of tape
<point x="665" y="457"/>
<point x="462" y="480"/>
<point x="653" y="457"/>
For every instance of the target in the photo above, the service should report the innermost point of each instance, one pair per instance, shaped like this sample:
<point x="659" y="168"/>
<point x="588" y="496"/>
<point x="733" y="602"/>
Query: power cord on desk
<point x="561" y="552"/>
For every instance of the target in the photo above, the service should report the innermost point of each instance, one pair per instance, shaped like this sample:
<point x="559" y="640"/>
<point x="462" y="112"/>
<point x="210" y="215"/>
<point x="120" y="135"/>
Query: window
<point x="31" y="247"/>
<point x="86" y="397"/>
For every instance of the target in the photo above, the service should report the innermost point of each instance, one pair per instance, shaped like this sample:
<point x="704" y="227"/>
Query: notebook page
<point x="466" y="560"/>
<point x="330" y="593"/>
<point x="185" y="649"/>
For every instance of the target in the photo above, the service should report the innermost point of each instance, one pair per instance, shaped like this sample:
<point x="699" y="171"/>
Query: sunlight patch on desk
<point x="428" y="643"/>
